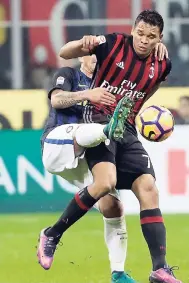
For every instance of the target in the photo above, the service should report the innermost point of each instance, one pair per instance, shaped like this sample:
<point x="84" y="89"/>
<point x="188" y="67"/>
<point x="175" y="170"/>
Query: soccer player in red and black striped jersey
<point x="124" y="71"/>
<point x="128" y="68"/>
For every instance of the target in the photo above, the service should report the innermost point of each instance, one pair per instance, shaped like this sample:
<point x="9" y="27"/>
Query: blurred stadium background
<point x="31" y="34"/>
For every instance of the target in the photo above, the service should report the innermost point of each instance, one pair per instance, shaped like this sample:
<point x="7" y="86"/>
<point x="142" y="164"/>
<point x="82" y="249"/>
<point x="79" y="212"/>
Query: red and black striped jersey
<point x="122" y="72"/>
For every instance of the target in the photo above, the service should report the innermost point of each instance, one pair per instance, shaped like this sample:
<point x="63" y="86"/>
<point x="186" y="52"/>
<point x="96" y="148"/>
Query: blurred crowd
<point x="181" y="114"/>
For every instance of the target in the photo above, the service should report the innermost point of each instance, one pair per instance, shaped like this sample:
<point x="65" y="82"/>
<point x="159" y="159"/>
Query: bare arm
<point x="63" y="99"/>
<point x="79" y="48"/>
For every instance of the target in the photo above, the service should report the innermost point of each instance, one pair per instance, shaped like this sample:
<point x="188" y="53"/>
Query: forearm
<point x="73" y="49"/>
<point x="65" y="99"/>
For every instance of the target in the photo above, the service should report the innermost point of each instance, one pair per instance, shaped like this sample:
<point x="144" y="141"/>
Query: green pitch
<point x="83" y="257"/>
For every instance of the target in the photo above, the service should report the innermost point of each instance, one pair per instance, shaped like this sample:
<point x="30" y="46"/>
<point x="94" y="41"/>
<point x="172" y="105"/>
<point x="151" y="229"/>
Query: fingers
<point x="161" y="51"/>
<point x="109" y="97"/>
<point x="156" y="50"/>
<point x="106" y="102"/>
<point x="89" y="42"/>
<point x="166" y="52"/>
<point x="102" y="96"/>
<point x="161" y="54"/>
<point x="86" y="42"/>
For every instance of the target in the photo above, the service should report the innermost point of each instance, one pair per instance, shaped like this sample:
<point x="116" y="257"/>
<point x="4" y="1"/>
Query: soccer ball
<point x="155" y="123"/>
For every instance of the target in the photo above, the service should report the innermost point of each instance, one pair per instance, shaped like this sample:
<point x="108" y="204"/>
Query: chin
<point x="142" y="53"/>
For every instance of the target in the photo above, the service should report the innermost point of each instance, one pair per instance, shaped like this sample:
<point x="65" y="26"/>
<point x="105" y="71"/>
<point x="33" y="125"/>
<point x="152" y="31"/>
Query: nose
<point x="144" y="40"/>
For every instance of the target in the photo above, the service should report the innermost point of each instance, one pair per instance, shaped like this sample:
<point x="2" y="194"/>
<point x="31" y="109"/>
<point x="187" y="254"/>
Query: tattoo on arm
<point x="68" y="99"/>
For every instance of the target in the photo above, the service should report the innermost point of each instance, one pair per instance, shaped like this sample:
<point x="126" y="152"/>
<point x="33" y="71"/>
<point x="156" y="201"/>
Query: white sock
<point x="90" y="135"/>
<point x="115" y="235"/>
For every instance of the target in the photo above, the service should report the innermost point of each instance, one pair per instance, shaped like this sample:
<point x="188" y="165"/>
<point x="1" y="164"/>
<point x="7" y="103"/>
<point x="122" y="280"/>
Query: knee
<point x="150" y="192"/>
<point x="104" y="175"/>
<point x="105" y="185"/>
<point x="110" y="207"/>
<point x="149" y="197"/>
<point x="146" y="192"/>
<point x="149" y="188"/>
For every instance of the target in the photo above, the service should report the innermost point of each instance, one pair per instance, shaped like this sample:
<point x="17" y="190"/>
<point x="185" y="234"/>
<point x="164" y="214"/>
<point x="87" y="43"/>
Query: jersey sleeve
<point x="106" y="43"/>
<point x="62" y="79"/>
<point x="167" y="70"/>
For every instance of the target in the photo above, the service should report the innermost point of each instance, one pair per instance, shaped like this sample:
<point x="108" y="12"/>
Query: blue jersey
<point x="66" y="79"/>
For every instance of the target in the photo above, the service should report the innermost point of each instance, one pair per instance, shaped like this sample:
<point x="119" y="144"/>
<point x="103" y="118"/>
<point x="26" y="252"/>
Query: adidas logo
<point x="120" y="65"/>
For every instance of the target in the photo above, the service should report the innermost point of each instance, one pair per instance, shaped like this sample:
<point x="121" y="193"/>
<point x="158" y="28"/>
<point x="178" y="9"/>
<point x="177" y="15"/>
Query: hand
<point x="161" y="51"/>
<point x="89" y="42"/>
<point x="101" y="96"/>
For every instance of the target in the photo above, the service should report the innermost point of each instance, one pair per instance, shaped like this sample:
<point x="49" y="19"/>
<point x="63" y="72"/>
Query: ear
<point x="161" y="36"/>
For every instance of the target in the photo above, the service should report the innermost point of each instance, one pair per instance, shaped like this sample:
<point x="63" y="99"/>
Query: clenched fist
<point x="89" y="42"/>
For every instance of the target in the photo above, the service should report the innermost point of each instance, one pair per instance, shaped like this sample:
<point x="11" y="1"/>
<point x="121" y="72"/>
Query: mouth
<point x="142" y="48"/>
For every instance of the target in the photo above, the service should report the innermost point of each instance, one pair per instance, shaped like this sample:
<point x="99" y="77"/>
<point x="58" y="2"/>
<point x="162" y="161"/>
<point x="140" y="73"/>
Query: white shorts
<point x="59" y="158"/>
<point x="58" y="151"/>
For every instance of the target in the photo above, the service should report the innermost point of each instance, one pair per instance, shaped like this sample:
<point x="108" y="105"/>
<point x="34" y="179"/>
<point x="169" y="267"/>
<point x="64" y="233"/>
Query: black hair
<point x="151" y="17"/>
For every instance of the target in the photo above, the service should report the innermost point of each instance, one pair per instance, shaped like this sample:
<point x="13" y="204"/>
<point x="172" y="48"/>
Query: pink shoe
<point x="46" y="249"/>
<point x="163" y="275"/>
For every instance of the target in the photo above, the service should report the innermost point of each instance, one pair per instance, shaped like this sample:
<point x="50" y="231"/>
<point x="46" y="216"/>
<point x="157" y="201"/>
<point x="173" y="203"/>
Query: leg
<point x="135" y="171"/>
<point x="153" y="228"/>
<point x="151" y="219"/>
<point x="58" y="150"/>
<point x="76" y="209"/>
<point x="86" y="198"/>
<point x="115" y="235"/>
<point x="59" y="154"/>
<point x="114" y="223"/>
<point x="90" y="135"/>
<point x="65" y="143"/>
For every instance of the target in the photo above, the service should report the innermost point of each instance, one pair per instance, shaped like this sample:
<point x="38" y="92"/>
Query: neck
<point x="86" y="72"/>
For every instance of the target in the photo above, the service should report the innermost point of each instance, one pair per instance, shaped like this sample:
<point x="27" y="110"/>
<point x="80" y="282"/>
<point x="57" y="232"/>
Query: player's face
<point x="145" y="37"/>
<point x="89" y="62"/>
